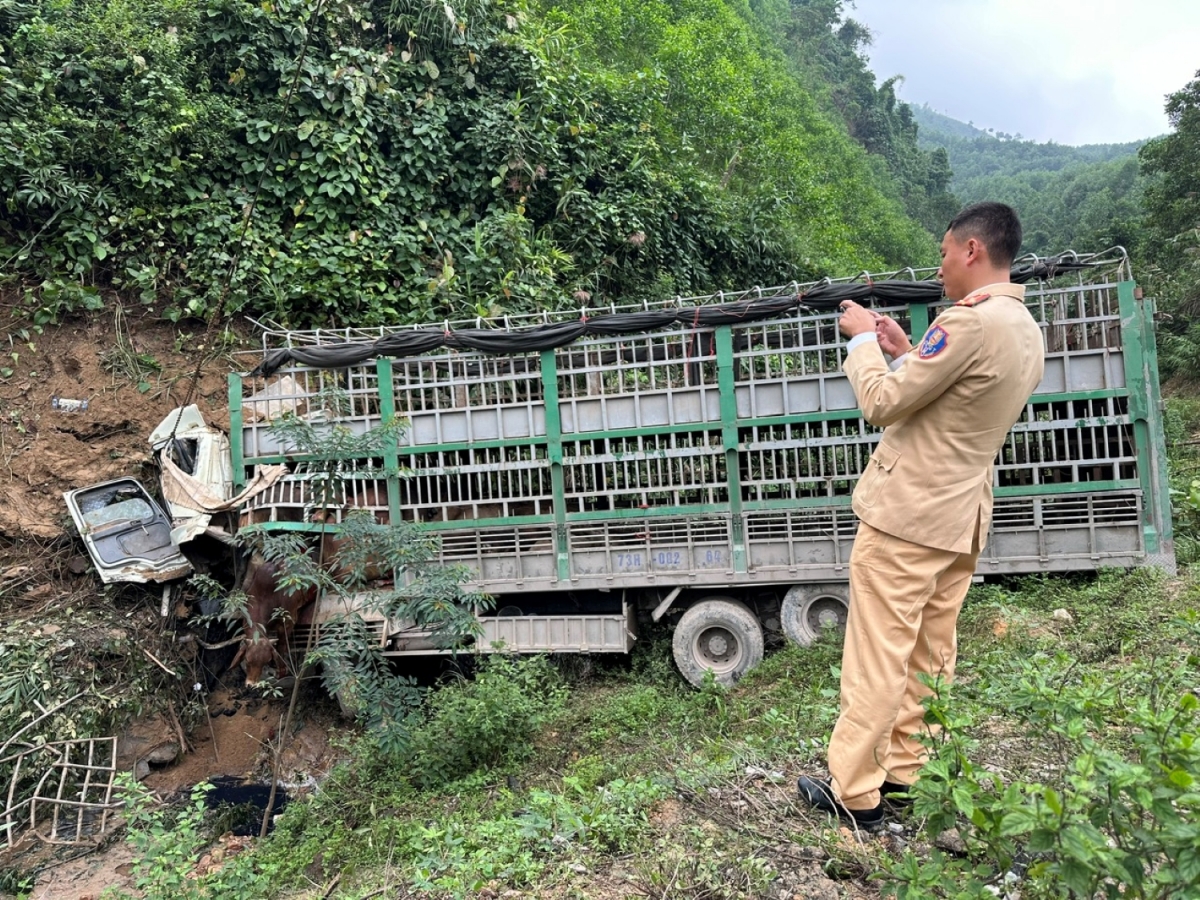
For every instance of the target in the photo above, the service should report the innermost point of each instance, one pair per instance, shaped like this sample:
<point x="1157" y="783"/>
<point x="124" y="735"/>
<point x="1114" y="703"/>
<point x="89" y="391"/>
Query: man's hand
<point x="855" y="320"/>
<point x="892" y="339"/>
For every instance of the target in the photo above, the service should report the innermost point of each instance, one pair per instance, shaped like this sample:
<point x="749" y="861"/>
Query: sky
<point x="1069" y="71"/>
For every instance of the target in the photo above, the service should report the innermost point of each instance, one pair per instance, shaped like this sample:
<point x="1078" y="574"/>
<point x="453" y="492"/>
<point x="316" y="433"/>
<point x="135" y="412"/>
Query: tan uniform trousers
<point x="904" y="604"/>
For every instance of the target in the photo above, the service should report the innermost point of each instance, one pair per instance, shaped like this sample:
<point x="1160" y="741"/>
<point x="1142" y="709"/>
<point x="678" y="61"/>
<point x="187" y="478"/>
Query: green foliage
<point x="411" y="161"/>
<point x="430" y="596"/>
<point x="1081" y="198"/>
<point x="489" y="721"/>
<point x="458" y="856"/>
<point x="1172" y="203"/>
<point x="166" y="847"/>
<point x="167" y="843"/>
<point x="1172" y="164"/>
<point x="976" y="153"/>
<point x="723" y="92"/>
<point x="705" y="866"/>
<point x="16" y="883"/>
<point x="1181" y="421"/>
<point x="43" y="668"/>
<point x="1113" y="814"/>
<point x="636" y="774"/>
<point x="107" y="138"/>
<point x="829" y="49"/>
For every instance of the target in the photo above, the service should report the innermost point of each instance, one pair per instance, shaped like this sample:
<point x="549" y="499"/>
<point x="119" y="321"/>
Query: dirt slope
<point x="132" y="369"/>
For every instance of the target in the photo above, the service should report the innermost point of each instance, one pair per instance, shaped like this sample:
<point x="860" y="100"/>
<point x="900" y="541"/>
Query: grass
<point x="623" y="781"/>
<point x="636" y="785"/>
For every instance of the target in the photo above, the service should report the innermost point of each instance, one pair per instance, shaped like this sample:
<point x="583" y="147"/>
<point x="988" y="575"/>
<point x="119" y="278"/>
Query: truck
<point x="690" y="461"/>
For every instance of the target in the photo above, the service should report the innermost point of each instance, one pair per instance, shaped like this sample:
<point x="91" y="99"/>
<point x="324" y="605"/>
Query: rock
<point x="815" y="854"/>
<point x="759" y="772"/>
<point x="951" y="841"/>
<point x="814" y="886"/>
<point x="78" y="565"/>
<point x="1062" y="615"/>
<point x="163" y="754"/>
<point x="39" y="592"/>
<point x="140" y="770"/>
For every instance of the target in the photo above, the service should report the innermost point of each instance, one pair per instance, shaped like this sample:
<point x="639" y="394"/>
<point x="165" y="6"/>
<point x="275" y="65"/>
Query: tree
<point x="1172" y="199"/>
<point x="1172" y="205"/>
<point x="829" y="49"/>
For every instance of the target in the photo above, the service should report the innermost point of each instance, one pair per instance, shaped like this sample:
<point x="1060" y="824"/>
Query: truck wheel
<point x="718" y="634"/>
<point x="809" y="609"/>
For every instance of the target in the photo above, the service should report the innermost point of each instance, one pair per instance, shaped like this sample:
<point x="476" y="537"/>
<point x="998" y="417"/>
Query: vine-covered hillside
<point x="322" y="161"/>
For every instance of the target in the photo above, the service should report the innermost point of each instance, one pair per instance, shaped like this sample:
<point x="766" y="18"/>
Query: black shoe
<point x="896" y="795"/>
<point x="818" y="794"/>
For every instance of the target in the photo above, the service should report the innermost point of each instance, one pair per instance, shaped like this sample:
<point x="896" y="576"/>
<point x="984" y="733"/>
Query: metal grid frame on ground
<point x="61" y="792"/>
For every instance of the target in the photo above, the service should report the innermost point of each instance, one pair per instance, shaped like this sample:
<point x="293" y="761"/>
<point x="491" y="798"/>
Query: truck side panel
<point x="726" y="456"/>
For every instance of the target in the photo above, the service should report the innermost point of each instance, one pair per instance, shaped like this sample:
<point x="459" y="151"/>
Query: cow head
<point x="255" y="655"/>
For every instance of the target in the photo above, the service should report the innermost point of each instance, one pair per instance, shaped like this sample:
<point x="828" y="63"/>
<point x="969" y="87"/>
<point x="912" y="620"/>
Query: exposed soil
<point x="132" y="369"/>
<point x="233" y="745"/>
<point x="45" y="451"/>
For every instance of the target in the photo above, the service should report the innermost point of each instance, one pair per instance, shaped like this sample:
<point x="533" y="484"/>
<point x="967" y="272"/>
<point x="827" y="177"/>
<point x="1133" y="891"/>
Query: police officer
<point x="925" y="500"/>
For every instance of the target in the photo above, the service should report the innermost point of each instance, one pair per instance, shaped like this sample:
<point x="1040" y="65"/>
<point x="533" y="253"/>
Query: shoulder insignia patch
<point x="933" y="343"/>
<point x="972" y="300"/>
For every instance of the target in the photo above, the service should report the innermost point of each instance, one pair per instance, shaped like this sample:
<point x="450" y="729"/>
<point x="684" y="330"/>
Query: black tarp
<point x="822" y="297"/>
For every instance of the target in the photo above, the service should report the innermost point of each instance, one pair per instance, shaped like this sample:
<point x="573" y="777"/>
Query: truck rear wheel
<point x="719" y="635"/>
<point x="808" y="610"/>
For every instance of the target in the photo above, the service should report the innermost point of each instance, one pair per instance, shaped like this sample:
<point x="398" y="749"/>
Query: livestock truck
<point x="691" y="461"/>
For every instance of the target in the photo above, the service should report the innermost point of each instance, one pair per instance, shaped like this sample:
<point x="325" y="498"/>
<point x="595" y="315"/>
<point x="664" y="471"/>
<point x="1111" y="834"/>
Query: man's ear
<point x="976" y="252"/>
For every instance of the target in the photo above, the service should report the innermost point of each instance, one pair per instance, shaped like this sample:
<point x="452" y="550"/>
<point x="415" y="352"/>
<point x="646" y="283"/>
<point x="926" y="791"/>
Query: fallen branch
<point x="154" y="659"/>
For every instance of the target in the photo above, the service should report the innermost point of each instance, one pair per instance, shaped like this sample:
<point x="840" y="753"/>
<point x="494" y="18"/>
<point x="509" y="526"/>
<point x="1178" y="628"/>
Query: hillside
<point x="168" y="168"/>
<point x="425" y="162"/>
<point x="173" y="172"/>
<point x="1085" y="198"/>
<point x="975" y="153"/>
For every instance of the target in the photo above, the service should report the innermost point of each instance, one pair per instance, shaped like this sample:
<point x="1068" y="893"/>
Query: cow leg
<point x="283" y="651"/>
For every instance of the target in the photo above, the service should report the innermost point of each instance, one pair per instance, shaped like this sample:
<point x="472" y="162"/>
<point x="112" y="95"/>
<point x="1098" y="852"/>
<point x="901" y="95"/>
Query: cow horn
<point x="223" y="644"/>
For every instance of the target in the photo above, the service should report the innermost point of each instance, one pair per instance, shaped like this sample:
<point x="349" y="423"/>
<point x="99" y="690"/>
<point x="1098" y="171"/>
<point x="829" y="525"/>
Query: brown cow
<point x="271" y="614"/>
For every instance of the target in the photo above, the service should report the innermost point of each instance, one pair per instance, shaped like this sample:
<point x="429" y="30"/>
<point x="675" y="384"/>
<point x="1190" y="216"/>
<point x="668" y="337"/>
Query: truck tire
<point x="808" y="609"/>
<point x="718" y="634"/>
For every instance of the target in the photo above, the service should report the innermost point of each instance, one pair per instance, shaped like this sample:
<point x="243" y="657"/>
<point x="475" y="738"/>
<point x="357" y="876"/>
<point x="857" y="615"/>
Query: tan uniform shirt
<point x="946" y="412"/>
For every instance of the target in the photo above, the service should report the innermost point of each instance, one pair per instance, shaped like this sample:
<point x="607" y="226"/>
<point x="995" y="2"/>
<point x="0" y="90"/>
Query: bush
<point x="165" y="848"/>
<point x="1118" y="815"/>
<point x="487" y="721"/>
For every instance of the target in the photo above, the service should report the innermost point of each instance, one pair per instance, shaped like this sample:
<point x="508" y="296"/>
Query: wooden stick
<point x="159" y="662"/>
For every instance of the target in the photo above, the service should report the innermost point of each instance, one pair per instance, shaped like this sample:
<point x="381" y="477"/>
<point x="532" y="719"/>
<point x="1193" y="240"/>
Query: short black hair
<point x="995" y="224"/>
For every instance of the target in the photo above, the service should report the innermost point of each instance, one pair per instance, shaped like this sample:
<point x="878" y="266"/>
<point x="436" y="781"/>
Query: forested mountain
<point x="1083" y="198"/>
<point x="413" y="160"/>
<point x="827" y="49"/>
